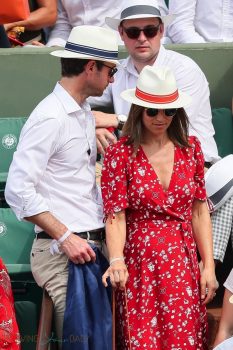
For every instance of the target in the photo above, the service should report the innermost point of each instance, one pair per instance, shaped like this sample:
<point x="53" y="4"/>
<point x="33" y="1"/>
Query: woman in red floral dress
<point x="9" y="333"/>
<point x="155" y="209"/>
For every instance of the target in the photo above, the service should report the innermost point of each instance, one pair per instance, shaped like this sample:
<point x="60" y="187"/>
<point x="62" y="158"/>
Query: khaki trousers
<point x="51" y="272"/>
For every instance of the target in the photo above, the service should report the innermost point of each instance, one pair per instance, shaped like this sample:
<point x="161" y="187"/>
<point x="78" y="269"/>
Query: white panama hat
<point x="139" y="9"/>
<point x="156" y="88"/>
<point x="219" y="181"/>
<point x="91" y="42"/>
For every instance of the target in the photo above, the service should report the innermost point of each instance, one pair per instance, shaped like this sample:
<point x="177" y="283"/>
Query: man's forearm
<point x="49" y="224"/>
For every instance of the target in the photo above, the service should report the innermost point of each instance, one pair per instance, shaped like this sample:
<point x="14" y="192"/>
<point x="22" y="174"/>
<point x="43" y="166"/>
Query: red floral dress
<point x="9" y="333"/>
<point x="161" y="307"/>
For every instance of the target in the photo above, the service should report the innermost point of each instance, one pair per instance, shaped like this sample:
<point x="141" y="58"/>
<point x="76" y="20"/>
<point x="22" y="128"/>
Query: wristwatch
<point x="121" y="121"/>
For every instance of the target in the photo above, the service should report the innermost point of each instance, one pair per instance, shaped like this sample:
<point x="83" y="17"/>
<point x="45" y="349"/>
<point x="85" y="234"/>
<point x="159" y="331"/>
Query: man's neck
<point x="140" y="65"/>
<point x="74" y="86"/>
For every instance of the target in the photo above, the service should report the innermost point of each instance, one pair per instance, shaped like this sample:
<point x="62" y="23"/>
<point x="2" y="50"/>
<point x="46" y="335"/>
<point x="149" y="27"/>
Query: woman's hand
<point x="118" y="274"/>
<point x="208" y="283"/>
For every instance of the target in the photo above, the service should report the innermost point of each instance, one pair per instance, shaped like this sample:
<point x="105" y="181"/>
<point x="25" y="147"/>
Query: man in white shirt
<point x="201" y="21"/>
<point x="51" y="180"/>
<point x="146" y="49"/>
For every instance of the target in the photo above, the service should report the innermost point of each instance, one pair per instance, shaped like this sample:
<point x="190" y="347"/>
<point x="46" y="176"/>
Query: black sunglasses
<point x="112" y="71"/>
<point x="134" y="32"/>
<point x="152" y="112"/>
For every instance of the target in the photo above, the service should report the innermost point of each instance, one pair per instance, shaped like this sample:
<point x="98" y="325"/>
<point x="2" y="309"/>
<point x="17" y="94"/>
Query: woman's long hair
<point x="177" y="131"/>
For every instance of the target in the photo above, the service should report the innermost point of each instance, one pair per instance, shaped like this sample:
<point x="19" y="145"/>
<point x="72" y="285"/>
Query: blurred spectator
<point x="4" y="42"/>
<point x="225" y="330"/>
<point x="72" y="13"/>
<point x="43" y="14"/>
<point x="200" y="21"/>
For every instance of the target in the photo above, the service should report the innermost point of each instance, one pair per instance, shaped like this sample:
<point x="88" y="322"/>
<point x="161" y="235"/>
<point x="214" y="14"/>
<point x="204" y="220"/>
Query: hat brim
<point x="182" y="101"/>
<point x="115" y="22"/>
<point x="219" y="181"/>
<point x="69" y="54"/>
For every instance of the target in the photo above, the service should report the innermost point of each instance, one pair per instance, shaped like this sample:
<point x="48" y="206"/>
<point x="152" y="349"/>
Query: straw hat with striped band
<point x="91" y="42"/>
<point x="156" y="88"/>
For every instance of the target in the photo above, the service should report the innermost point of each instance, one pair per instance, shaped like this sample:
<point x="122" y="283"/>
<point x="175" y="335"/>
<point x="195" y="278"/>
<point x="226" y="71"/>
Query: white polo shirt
<point x="53" y="168"/>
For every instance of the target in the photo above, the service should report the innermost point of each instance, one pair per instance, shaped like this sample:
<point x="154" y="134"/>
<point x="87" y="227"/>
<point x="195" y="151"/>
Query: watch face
<point x="122" y="118"/>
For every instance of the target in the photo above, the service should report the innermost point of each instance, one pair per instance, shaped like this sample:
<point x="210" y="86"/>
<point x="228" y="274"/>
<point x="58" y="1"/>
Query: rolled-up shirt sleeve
<point x="28" y="168"/>
<point x="182" y="29"/>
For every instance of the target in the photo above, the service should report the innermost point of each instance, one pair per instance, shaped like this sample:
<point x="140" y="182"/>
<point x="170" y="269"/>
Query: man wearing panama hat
<point x="141" y="27"/>
<point x="51" y="180"/>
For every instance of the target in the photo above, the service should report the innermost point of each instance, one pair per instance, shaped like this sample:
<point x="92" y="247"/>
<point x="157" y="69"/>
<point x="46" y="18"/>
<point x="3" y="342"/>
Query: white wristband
<point x="120" y="258"/>
<point x="62" y="238"/>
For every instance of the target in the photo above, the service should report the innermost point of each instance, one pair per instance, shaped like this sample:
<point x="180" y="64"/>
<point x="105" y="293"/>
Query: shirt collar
<point x="160" y="58"/>
<point x="69" y="104"/>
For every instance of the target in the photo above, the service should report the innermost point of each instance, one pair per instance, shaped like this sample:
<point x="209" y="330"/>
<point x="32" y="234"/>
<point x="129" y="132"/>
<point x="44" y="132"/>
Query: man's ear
<point x="161" y="28"/>
<point x="120" y="30"/>
<point x="89" y="67"/>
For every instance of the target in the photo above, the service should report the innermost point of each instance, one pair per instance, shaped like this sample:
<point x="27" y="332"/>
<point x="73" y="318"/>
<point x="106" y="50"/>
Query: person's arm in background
<point x="202" y="233"/>
<point x="182" y="28"/>
<point x="4" y="42"/>
<point x="225" y="329"/>
<point x="104" y="120"/>
<point x="60" y="32"/>
<point x="44" y="16"/>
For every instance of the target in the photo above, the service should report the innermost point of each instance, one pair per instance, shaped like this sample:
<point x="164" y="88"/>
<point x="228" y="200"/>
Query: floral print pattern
<point x="161" y="307"/>
<point x="9" y="334"/>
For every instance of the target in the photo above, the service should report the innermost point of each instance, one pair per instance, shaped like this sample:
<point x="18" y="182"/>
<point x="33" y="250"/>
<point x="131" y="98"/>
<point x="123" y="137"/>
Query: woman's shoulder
<point x="194" y="142"/>
<point x="121" y="146"/>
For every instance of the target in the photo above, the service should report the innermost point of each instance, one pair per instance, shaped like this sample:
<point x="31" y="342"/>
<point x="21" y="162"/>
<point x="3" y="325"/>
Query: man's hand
<point x="103" y="139"/>
<point x="78" y="250"/>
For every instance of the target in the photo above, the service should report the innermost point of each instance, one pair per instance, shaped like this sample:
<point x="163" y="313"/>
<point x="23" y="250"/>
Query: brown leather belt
<point x="93" y="235"/>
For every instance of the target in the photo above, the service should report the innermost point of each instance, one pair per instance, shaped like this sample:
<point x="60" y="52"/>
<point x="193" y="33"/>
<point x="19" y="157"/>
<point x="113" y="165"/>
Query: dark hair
<point x="177" y="131"/>
<point x="75" y="66"/>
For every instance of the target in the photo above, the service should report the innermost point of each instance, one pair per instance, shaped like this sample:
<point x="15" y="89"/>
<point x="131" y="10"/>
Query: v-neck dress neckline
<point x="164" y="191"/>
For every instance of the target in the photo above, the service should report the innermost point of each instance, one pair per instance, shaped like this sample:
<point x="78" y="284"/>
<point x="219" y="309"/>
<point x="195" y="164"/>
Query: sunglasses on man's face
<point x="149" y="31"/>
<point x="152" y="112"/>
<point x="112" y="70"/>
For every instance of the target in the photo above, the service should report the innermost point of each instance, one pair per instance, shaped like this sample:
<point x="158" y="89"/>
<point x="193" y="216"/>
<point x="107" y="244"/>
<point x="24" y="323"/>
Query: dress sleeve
<point x="199" y="173"/>
<point x="114" y="181"/>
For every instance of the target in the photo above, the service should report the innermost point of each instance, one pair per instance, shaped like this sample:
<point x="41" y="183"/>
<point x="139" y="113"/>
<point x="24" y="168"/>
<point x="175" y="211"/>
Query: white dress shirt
<point x="72" y="13"/>
<point x="200" y="21"/>
<point x="190" y="79"/>
<point x="51" y="168"/>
